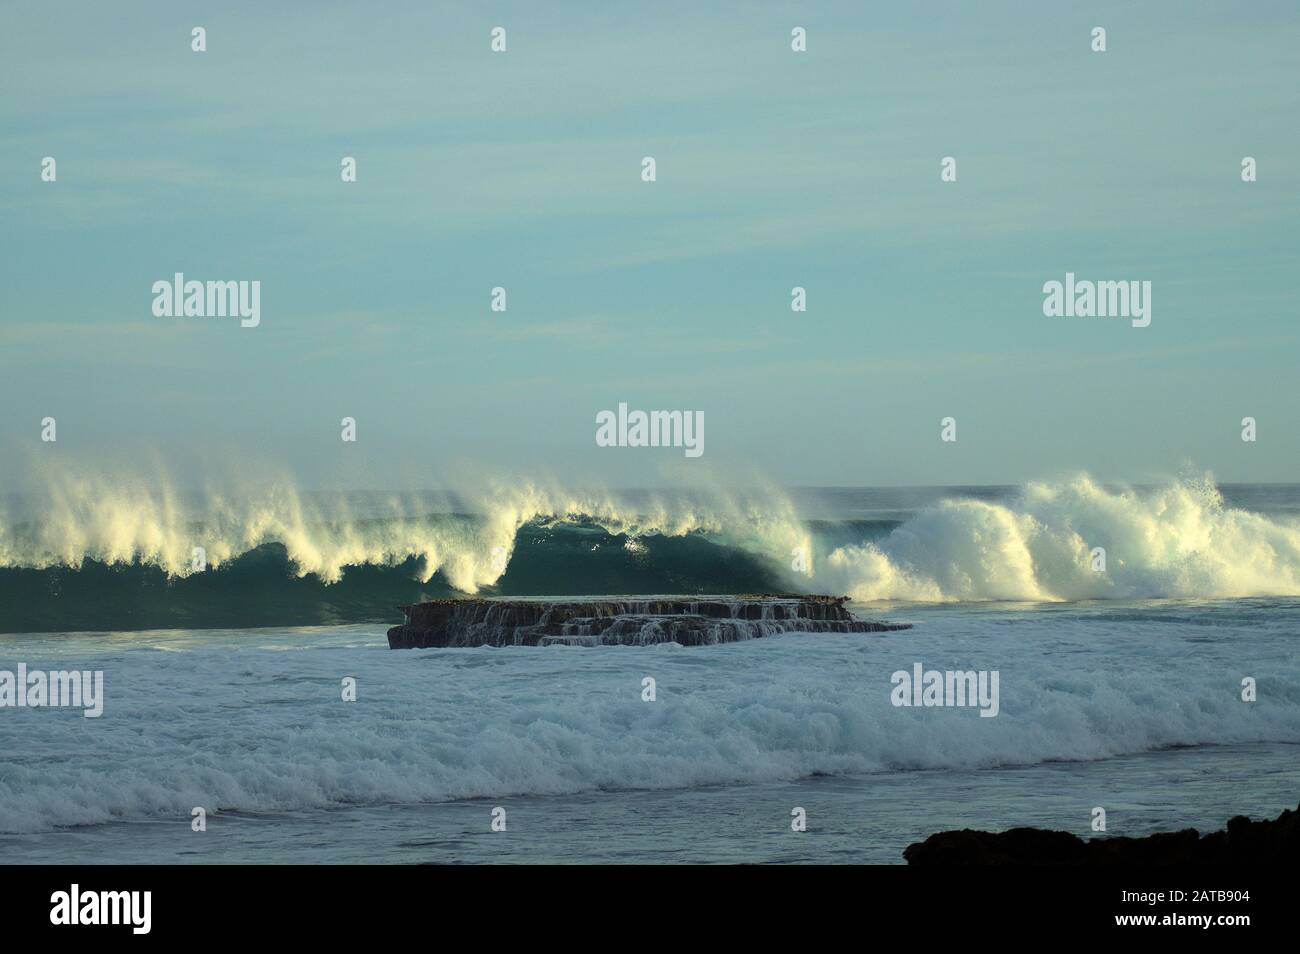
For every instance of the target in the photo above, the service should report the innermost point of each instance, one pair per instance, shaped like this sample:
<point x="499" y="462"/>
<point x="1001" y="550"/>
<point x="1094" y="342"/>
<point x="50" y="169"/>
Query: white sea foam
<point x="254" y="722"/>
<point x="1178" y="541"/>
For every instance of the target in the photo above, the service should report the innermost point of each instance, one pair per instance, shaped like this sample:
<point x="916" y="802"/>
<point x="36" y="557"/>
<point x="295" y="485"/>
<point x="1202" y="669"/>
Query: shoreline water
<point x="851" y="819"/>
<point x="1132" y="706"/>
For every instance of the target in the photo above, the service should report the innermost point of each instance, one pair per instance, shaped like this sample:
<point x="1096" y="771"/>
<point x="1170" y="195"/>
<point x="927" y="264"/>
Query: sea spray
<point x="120" y="521"/>
<point x="1176" y="541"/>
<point x="1180" y="540"/>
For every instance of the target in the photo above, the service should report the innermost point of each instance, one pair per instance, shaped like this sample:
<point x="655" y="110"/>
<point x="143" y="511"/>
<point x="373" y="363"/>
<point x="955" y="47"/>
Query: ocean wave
<point x="115" y="521"/>
<point x="119" y="521"/>
<point x="1176" y="541"/>
<point x="260" y="728"/>
<point x="118" y="554"/>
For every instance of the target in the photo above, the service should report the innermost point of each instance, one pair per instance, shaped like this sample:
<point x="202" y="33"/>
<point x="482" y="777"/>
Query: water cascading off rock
<point x="632" y="621"/>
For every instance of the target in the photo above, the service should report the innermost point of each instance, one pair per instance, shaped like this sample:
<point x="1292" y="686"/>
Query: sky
<point x="775" y="169"/>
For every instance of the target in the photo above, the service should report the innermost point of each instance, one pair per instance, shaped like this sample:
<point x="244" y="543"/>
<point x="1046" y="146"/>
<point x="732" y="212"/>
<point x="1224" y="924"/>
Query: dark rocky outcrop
<point x="689" y="620"/>
<point x="1242" y="842"/>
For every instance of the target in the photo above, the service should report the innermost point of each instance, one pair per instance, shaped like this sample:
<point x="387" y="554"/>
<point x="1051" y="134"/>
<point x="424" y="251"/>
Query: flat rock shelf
<point x="619" y="621"/>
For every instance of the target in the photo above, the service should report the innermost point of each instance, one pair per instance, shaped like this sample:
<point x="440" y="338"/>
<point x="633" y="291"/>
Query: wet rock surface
<point x="1242" y="842"/>
<point x="635" y="621"/>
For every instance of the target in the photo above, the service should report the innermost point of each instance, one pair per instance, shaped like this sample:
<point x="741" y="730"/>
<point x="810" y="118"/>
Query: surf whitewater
<point x="113" y="554"/>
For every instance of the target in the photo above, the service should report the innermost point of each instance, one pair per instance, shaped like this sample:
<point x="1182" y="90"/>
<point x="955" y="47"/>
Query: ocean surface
<point x="1120" y="688"/>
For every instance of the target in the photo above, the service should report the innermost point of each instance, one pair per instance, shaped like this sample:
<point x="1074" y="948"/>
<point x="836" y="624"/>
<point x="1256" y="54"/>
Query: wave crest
<point x="1176" y="541"/>
<point x="114" y="521"/>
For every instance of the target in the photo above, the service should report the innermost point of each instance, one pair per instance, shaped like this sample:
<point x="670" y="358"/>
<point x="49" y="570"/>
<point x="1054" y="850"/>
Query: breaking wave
<point x="112" y="554"/>
<point x="1177" y="541"/>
